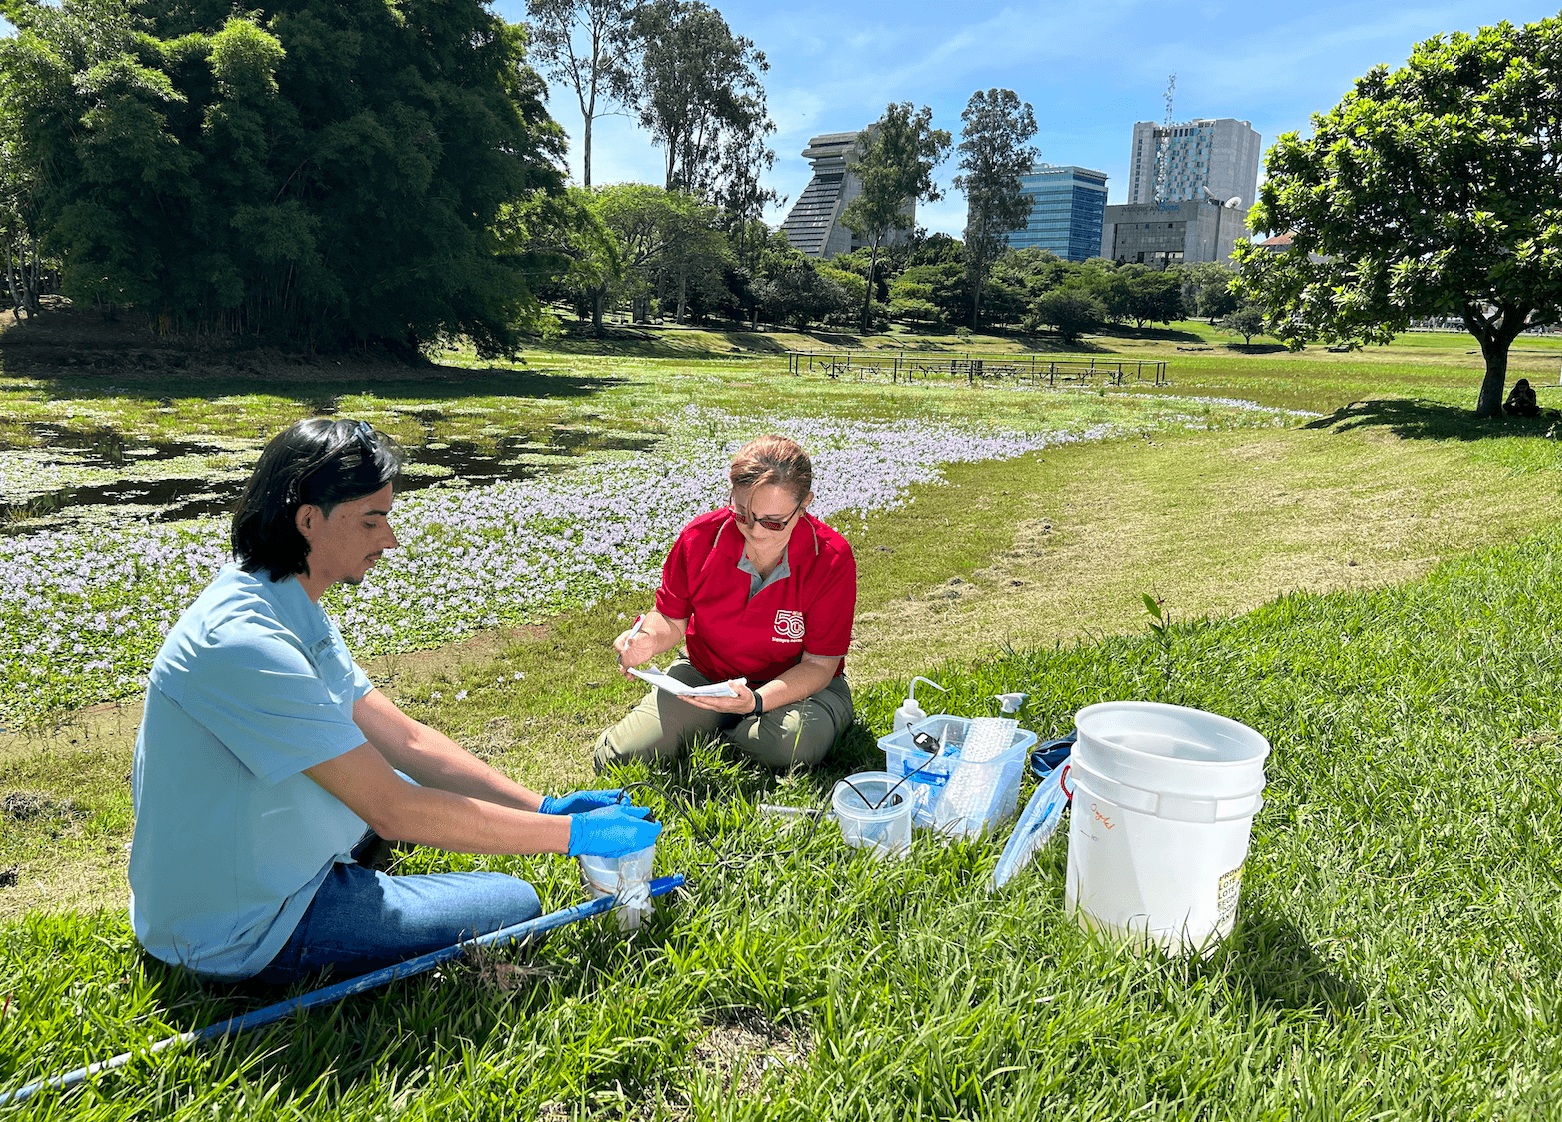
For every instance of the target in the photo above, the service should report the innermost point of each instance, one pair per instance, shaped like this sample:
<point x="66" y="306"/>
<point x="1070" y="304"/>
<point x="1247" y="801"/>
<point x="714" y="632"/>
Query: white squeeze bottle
<point x="910" y="713"/>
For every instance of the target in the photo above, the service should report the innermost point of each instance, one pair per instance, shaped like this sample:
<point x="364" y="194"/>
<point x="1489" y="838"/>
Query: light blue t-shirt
<point x="252" y="686"/>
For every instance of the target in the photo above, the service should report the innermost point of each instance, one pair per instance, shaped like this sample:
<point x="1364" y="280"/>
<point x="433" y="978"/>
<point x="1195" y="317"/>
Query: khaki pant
<point x="799" y="733"/>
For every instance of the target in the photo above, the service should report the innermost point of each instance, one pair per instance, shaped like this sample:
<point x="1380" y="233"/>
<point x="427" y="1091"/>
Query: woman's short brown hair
<point x="774" y="460"/>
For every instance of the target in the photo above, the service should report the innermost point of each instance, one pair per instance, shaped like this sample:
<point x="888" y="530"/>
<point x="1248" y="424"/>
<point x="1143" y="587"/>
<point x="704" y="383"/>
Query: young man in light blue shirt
<point x="265" y="756"/>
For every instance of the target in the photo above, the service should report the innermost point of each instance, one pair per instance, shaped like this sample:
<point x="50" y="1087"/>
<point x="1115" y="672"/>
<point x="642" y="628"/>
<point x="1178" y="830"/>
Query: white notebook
<point x="672" y="685"/>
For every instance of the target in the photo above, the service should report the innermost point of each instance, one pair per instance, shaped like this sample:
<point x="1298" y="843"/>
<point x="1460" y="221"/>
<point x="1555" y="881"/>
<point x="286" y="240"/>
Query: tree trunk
<point x="1489" y="403"/>
<point x="12" y="287"/>
<point x="585" y="156"/>
<point x="867" y="301"/>
<point x="1495" y="336"/>
<point x="30" y="281"/>
<point x="683" y="292"/>
<point x="598" y="299"/>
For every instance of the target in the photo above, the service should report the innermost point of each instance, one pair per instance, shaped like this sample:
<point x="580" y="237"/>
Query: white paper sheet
<point x="672" y="685"/>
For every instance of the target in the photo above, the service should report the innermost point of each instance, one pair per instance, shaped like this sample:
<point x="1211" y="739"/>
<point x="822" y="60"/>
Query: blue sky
<point x="1090" y="70"/>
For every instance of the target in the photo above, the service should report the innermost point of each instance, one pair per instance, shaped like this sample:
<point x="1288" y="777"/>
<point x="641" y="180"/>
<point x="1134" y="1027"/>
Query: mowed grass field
<point x="1365" y="586"/>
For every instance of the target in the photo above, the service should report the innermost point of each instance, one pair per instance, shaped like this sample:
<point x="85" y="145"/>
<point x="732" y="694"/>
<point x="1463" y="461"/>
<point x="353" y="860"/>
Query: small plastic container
<point x="612" y="876"/>
<point x="902" y="758"/>
<point x="883" y="830"/>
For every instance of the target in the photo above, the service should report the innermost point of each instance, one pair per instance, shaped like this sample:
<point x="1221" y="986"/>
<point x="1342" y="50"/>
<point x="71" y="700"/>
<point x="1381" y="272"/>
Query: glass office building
<point x="1067" y="205"/>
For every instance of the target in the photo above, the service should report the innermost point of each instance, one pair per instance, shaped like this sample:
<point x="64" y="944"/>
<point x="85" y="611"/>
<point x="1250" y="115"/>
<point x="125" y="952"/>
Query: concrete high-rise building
<point x="1222" y="155"/>
<point x="1067" y="204"/>
<point x="814" y="223"/>
<point x="1175" y="212"/>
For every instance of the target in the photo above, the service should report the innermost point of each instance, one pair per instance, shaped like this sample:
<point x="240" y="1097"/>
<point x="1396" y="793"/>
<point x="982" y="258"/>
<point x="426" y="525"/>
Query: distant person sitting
<point x="1521" y="400"/>
<point x="265" y="757"/>
<point x="762" y="594"/>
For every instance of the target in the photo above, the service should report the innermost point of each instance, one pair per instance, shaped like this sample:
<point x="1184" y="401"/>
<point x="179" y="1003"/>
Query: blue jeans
<point x="362" y="920"/>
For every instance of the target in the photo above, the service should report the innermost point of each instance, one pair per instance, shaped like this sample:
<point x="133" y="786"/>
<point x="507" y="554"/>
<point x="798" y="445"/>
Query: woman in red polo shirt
<point x="759" y="590"/>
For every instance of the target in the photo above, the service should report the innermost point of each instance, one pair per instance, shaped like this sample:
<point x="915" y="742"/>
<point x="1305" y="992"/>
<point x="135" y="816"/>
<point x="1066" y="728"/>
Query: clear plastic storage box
<point x="980" y="793"/>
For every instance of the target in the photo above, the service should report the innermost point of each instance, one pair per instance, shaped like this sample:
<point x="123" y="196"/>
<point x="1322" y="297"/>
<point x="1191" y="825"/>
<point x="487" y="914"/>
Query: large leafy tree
<point x="586" y="45"/>
<point x="698" y="92"/>
<point x="1435" y="189"/>
<point x="327" y="171"/>
<point x="896" y="156"/>
<point x="995" y="151"/>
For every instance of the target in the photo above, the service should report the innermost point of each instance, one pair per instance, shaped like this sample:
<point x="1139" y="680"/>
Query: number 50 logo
<point x="789" y="625"/>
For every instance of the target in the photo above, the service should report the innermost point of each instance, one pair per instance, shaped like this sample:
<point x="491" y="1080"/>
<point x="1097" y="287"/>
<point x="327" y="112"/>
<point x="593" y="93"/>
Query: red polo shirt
<point x="731" y="636"/>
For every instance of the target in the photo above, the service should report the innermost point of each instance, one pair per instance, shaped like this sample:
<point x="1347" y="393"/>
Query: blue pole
<point x="331" y="994"/>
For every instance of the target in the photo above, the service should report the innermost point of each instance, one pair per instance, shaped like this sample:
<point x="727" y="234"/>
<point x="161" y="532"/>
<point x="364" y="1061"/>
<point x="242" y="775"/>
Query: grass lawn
<point x="1372" y="580"/>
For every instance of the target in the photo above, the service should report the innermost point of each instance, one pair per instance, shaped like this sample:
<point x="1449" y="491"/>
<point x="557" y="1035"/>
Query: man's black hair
<point x="315" y="462"/>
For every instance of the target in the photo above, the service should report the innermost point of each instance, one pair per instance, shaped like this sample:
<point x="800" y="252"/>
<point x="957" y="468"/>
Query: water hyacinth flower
<point x="83" y="614"/>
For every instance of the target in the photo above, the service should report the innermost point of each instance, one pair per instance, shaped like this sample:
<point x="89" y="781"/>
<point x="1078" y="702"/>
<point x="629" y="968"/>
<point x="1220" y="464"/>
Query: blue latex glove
<point x="578" y="802"/>
<point x="611" y="831"/>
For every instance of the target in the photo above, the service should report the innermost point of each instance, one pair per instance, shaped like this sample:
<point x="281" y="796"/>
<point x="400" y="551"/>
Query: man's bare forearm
<point x="428" y="815"/>
<point x="431" y="758"/>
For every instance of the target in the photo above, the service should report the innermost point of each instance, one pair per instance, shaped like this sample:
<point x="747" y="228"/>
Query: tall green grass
<point x="1397" y="951"/>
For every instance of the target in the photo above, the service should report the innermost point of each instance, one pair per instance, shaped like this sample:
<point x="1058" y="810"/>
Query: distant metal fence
<point x="1022" y="369"/>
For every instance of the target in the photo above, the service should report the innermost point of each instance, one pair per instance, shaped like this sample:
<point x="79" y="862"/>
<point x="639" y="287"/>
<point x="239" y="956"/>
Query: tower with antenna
<point x="1163" y="143"/>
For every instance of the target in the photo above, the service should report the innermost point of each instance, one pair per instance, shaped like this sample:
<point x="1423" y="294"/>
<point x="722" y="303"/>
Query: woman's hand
<point x="635" y="651"/>
<point x="742" y="703"/>
<point x="656" y="634"/>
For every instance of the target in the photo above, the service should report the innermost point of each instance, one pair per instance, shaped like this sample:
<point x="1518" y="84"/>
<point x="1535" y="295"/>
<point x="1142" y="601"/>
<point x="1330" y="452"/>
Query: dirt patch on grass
<point x="739" y="1054"/>
<point x="24" y="806"/>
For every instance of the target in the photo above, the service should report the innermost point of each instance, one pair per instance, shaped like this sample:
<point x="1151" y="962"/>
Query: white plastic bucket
<point x="1164" y="798"/>
<point x="610" y="876"/>
<point x="880" y="825"/>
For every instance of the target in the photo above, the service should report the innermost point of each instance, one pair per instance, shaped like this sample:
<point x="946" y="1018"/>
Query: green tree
<point x="586" y="45"/>
<point x="855" y="290"/>
<point x="328" y="172"/>
<point x="697" y="91"/>
<point x="1033" y="271"/>
<point x="564" y="236"/>
<point x="1246" y="321"/>
<point x="18" y="223"/>
<point x="800" y="294"/>
<point x="1154" y="296"/>
<point x="994" y="153"/>
<point x="896" y="156"/>
<point x="912" y="301"/>
<point x="668" y="243"/>
<point x="947" y="286"/>
<point x="1429" y="190"/>
<point x="1072" y="311"/>
<point x="693" y="252"/>
<point x="934" y="249"/>
<point x="1206" y="290"/>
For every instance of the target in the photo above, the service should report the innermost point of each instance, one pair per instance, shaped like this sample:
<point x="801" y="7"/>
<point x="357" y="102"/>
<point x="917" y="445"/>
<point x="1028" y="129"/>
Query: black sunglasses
<point x="767" y="523"/>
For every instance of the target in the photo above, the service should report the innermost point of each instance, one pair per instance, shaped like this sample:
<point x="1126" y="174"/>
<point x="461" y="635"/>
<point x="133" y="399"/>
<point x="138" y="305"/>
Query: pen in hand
<point x="630" y="638"/>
